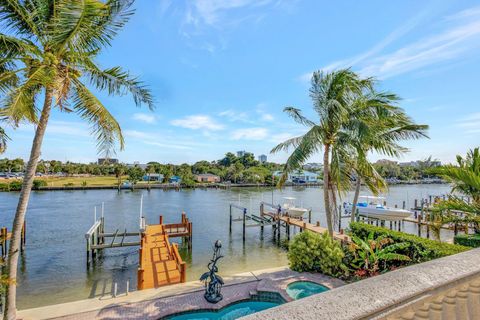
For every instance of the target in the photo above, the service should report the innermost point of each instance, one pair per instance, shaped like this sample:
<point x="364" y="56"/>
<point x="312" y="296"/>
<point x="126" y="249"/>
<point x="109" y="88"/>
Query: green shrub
<point x="4" y="187"/>
<point x="310" y="251"/>
<point x="420" y="249"/>
<point x="15" y="186"/>
<point x="39" y="183"/>
<point x="468" y="240"/>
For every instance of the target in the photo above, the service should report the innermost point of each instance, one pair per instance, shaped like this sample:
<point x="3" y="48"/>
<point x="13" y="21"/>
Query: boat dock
<point x="278" y="219"/>
<point x="159" y="260"/>
<point x="283" y="220"/>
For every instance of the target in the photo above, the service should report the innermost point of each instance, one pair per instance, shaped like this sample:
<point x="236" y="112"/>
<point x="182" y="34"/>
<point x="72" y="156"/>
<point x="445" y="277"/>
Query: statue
<point x="213" y="282"/>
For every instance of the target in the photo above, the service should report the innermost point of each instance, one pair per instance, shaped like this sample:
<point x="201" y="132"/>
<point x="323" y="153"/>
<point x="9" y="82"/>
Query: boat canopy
<point x="289" y="198"/>
<point x="372" y="197"/>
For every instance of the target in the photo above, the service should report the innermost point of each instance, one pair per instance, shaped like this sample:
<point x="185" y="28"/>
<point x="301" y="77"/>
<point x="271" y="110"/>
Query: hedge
<point x="469" y="240"/>
<point x="420" y="249"/>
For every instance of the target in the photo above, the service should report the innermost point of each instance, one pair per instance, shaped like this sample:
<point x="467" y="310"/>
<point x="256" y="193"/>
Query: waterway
<point x="53" y="268"/>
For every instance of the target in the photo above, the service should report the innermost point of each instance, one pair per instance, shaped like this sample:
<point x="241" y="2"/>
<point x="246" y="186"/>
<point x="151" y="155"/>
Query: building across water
<point x="299" y="176"/>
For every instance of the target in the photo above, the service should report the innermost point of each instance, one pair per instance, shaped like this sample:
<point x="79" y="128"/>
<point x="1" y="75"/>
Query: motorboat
<point x="372" y="207"/>
<point x="291" y="209"/>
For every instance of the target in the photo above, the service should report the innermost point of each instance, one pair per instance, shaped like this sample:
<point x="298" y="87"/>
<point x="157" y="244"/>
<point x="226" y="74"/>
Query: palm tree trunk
<point x="326" y="187"/>
<point x="355" y="198"/>
<point x="11" y="307"/>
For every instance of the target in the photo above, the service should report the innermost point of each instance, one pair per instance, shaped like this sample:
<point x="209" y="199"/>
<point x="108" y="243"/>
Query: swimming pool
<point x="230" y="312"/>
<point x="301" y="289"/>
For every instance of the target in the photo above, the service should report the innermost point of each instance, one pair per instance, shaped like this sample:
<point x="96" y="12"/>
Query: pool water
<point x="301" y="289"/>
<point x="230" y="312"/>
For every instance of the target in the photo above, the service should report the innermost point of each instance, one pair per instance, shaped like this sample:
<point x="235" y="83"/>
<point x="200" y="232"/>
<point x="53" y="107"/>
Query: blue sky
<point x="222" y="71"/>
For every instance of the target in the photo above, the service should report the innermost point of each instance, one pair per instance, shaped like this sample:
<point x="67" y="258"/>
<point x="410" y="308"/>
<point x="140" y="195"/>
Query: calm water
<point x="53" y="268"/>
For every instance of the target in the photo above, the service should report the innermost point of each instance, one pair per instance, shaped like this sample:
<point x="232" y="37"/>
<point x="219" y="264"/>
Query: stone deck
<point x="157" y="303"/>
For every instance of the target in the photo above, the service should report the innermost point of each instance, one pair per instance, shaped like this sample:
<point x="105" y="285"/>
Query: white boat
<point x="292" y="210"/>
<point x="372" y="207"/>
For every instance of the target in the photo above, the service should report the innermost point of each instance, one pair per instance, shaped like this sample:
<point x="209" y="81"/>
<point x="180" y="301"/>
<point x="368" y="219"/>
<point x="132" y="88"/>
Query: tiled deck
<point x="157" y="303"/>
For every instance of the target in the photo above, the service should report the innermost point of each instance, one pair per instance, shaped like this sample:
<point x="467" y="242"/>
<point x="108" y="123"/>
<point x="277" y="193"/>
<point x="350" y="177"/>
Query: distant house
<point x="299" y="176"/>
<point x="207" y="177"/>
<point x="262" y="158"/>
<point x="175" y="179"/>
<point x="101" y="161"/>
<point x="153" y="177"/>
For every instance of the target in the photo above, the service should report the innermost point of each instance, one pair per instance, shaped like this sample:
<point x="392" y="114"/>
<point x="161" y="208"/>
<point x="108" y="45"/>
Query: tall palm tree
<point x="48" y="47"/>
<point x="332" y="95"/>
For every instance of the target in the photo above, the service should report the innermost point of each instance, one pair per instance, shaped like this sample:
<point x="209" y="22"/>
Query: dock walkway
<point x="159" y="260"/>
<point x="303" y="225"/>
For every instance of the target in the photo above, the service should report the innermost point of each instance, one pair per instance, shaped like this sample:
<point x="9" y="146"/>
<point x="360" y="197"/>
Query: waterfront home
<point x="157" y="177"/>
<point x="175" y="179"/>
<point x="207" y="178"/>
<point x="299" y="176"/>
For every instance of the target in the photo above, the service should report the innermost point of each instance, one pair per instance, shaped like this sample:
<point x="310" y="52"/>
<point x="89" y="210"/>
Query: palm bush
<point x="465" y="179"/>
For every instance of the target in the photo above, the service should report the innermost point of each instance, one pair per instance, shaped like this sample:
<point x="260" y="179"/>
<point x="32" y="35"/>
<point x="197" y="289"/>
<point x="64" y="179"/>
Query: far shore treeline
<point x="231" y="168"/>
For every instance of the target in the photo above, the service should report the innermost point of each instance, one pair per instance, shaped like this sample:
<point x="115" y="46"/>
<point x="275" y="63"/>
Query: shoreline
<point x="167" y="186"/>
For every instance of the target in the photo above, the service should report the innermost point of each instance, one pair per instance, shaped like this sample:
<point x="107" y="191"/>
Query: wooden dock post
<point x="244" y="222"/>
<point x="310" y="216"/>
<point x="3" y="239"/>
<point x="419" y="224"/>
<point x="230" y="219"/>
<point x="404" y="205"/>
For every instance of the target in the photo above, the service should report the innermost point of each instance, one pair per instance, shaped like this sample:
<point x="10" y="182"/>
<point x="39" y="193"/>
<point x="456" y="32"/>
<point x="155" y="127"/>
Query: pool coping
<point x="163" y="301"/>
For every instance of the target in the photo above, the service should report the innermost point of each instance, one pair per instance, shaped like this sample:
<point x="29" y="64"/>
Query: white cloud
<point x="195" y="122"/>
<point x="459" y="35"/>
<point x="145" y="117"/>
<point x="470" y="123"/>
<point x="234" y="116"/>
<point x="250" y="134"/>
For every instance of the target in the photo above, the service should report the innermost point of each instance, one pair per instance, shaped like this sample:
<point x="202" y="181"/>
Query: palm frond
<point x="118" y="82"/>
<point x="88" y="24"/>
<point x="18" y="19"/>
<point x="296" y="114"/>
<point x="106" y="129"/>
<point x="3" y="140"/>
<point x="305" y="146"/>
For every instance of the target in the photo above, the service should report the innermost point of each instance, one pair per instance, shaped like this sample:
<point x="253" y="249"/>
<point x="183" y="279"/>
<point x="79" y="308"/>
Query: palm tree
<point x="49" y="48"/>
<point x="355" y="119"/>
<point x="378" y="124"/>
<point x="332" y="95"/>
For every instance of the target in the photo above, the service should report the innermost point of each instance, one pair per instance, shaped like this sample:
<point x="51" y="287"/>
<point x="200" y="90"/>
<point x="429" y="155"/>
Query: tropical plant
<point x="119" y="171"/>
<point x="420" y="249"/>
<point x="48" y="47"/>
<point x="465" y="176"/>
<point x="310" y="251"/>
<point x="465" y="179"/>
<point x="371" y="254"/>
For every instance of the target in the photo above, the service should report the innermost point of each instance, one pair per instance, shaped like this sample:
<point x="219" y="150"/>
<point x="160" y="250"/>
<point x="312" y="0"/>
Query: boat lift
<point x="245" y="218"/>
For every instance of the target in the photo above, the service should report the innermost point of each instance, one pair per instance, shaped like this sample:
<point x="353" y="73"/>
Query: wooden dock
<point x="160" y="263"/>
<point x="6" y="236"/>
<point x="302" y="225"/>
